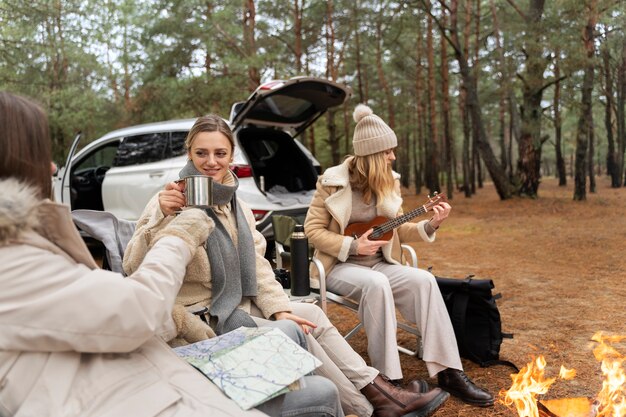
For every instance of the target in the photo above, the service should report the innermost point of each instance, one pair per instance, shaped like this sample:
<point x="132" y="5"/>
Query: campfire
<point x="529" y="386"/>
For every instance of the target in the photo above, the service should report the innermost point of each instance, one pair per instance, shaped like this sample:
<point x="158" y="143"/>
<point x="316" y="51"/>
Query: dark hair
<point x="210" y="123"/>
<point x="25" y="148"/>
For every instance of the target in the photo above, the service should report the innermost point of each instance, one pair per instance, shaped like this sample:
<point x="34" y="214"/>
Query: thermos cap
<point x="299" y="228"/>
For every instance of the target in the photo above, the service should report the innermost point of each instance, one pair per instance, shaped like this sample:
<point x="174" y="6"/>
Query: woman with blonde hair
<point x="235" y="285"/>
<point x="371" y="270"/>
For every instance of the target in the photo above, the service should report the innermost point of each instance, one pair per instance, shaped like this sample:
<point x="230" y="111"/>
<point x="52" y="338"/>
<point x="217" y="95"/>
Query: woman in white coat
<point x="371" y="270"/>
<point x="79" y="341"/>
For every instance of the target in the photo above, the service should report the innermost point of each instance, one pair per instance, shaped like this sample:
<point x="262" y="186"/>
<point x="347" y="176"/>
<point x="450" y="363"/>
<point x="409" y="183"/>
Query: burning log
<point x="567" y="407"/>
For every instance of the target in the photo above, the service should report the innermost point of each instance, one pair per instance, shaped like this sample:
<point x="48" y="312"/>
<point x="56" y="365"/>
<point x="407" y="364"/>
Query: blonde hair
<point x="372" y="175"/>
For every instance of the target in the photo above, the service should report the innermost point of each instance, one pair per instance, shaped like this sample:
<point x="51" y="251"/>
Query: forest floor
<point x="560" y="267"/>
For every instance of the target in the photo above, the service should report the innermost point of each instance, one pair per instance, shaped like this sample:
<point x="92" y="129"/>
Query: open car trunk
<point x="276" y="157"/>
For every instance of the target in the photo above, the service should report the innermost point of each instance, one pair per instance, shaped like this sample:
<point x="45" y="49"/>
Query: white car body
<point x="121" y="171"/>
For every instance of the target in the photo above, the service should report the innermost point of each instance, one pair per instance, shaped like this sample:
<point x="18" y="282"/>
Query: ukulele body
<point x="357" y="229"/>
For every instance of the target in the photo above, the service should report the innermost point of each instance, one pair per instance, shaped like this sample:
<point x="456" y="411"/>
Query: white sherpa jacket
<point x="330" y="212"/>
<point x="78" y="341"/>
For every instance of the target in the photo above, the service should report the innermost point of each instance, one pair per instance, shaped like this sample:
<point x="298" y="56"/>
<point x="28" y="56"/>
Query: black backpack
<point x="475" y="317"/>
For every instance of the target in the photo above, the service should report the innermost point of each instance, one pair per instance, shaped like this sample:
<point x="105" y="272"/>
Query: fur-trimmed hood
<point x="19" y="205"/>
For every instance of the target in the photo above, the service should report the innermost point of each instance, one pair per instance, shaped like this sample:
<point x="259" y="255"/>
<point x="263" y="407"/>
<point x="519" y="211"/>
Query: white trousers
<point x="340" y="363"/>
<point x="415" y="293"/>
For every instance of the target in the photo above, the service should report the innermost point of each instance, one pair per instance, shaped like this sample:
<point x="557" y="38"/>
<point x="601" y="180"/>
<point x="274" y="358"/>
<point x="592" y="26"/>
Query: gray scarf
<point x="233" y="269"/>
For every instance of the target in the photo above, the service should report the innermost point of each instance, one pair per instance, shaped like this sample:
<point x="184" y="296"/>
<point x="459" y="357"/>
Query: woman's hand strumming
<point x="368" y="247"/>
<point x="172" y="199"/>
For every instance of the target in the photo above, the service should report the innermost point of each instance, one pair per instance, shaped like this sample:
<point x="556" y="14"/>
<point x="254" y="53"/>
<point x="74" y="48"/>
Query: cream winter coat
<point x="79" y="341"/>
<point x="330" y="212"/>
<point x="196" y="291"/>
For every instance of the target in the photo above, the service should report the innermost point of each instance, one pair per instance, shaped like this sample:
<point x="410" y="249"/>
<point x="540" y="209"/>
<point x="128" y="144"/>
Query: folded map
<point x="251" y="365"/>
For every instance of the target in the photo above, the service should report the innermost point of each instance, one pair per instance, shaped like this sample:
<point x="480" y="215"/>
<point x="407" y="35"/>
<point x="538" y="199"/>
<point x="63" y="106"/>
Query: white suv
<point x="122" y="170"/>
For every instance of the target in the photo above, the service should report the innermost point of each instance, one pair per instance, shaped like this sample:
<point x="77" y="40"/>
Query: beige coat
<point x="196" y="291"/>
<point x="79" y="341"/>
<point x="329" y="215"/>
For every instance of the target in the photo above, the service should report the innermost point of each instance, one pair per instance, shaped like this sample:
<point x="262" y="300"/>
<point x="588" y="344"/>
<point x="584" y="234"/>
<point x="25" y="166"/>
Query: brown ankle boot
<point x="391" y="401"/>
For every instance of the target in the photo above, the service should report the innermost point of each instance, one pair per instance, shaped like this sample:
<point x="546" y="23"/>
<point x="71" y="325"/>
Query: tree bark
<point x="249" y="16"/>
<point x="611" y="154"/>
<point x="448" y="140"/>
<point x="533" y="85"/>
<point x="432" y="163"/>
<point x="558" y="147"/>
<point x="584" y="127"/>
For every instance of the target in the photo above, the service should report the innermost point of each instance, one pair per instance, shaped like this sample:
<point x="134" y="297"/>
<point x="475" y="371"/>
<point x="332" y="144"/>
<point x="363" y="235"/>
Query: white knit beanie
<point x="371" y="134"/>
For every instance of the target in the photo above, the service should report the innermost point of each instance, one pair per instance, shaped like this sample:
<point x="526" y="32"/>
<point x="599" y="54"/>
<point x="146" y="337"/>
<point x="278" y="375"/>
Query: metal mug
<point x="198" y="191"/>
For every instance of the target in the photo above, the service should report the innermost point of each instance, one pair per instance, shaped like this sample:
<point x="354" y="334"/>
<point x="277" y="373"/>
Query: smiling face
<point x="211" y="154"/>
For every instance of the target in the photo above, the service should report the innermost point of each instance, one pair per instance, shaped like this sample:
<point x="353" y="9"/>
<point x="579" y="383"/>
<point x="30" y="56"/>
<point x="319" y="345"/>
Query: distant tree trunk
<point x="249" y="16"/>
<point x="590" y="160"/>
<point x="418" y="147"/>
<point x="611" y="157"/>
<point x="297" y="32"/>
<point x="533" y="85"/>
<point x="391" y="121"/>
<point x="621" y="115"/>
<point x="331" y="73"/>
<point x="468" y="144"/>
<point x="347" y="121"/>
<point x="432" y="138"/>
<point x="476" y="71"/>
<point x="448" y="141"/>
<point x="503" y="187"/>
<point x="560" y="162"/>
<point x="357" y="46"/>
<point x="502" y="128"/>
<point x="584" y="128"/>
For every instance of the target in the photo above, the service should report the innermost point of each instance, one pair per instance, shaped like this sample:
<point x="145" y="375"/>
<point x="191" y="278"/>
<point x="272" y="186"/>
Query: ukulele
<point x="383" y="227"/>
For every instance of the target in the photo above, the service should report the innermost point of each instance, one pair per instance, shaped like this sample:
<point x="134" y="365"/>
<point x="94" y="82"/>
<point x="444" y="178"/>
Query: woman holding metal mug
<point x="233" y="281"/>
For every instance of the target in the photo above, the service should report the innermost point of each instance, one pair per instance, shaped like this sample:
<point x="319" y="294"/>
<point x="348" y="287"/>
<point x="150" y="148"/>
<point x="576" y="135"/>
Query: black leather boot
<point x="391" y="401"/>
<point x="459" y="385"/>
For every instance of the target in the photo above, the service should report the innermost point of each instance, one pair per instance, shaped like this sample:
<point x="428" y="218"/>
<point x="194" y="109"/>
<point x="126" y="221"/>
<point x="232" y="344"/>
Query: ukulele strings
<point x="392" y="224"/>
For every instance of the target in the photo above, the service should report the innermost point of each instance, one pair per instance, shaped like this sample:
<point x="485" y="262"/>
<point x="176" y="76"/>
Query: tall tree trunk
<point x="357" y="52"/>
<point x="502" y="127"/>
<point x="584" y="127"/>
<point x="558" y="146"/>
<point x="432" y="160"/>
<point x="620" y="115"/>
<point x="611" y="157"/>
<point x="468" y="143"/>
<point x="297" y="32"/>
<point x="331" y="73"/>
<point x="249" y="16"/>
<point x="448" y="141"/>
<point x="418" y="148"/>
<point x="476" y="73"/>
<point x="590" y="157"/>
<point x="498" y="176"/>
<point x="533" y="85"/>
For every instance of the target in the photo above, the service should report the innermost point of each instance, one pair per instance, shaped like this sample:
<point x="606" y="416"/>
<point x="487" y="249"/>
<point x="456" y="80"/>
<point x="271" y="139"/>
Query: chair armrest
<point x="322" y="274"/>
<point x="280" y="249"/>
<point x="411" y="254"/>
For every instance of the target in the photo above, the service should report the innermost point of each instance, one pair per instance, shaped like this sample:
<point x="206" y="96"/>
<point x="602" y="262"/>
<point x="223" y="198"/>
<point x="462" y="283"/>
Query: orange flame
<point x="612" y="396"/>
<point x="527" y="384"/>
<point x="531" y="382"/>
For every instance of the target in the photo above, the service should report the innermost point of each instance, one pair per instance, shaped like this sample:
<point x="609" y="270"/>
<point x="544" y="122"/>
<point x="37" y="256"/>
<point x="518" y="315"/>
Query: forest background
<point x="500" y="90"/>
